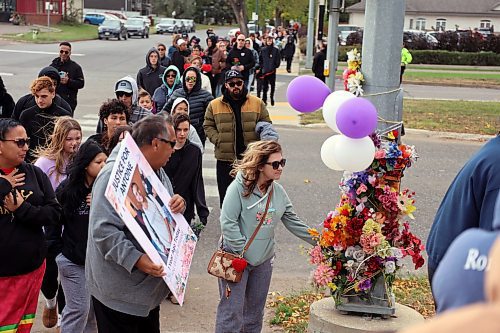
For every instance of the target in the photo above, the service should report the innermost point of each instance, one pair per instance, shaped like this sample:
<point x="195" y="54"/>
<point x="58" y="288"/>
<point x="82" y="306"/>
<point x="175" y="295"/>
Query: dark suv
<point x="112" y="29"/>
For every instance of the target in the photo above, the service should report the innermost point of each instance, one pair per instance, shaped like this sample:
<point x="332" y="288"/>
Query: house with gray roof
<point x="441" y="15"/>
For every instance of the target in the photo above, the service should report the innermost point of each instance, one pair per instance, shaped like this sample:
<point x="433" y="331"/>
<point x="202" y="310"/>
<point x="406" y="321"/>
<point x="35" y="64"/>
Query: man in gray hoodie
<point x="150" y="77"/>
<point x="126" y="286"/>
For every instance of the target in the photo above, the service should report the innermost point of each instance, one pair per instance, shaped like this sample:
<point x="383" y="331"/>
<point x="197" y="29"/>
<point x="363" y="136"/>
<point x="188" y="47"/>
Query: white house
<point x="440" y="15"/>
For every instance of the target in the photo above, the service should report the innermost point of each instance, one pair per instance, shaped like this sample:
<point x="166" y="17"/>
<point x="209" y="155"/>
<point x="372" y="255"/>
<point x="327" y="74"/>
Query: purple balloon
<point x="357" y="118"/>
<point x="307" y="93"/>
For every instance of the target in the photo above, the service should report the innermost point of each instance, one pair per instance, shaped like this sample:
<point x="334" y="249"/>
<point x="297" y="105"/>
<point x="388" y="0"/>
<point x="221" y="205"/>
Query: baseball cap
<point x="184" y="35"/>
<point x="232" y="74"/>
<point x="124" y="86"/>
<point x="181" y="41"/>
<point x="468" y="259"/>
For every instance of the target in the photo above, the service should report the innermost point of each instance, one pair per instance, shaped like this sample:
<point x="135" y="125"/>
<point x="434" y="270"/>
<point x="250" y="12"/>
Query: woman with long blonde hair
<point x="241" y="305"/>
<point x="53" y="159"/>
<point x="62" y="145"/>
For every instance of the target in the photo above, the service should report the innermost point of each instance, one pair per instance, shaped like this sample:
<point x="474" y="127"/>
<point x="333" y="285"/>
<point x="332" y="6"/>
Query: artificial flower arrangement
<point x="353" y="78"/>
<point x="367" y="235"/>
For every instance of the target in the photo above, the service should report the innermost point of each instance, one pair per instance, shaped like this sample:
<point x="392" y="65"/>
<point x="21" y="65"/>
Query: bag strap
<point x="260" y="223"/>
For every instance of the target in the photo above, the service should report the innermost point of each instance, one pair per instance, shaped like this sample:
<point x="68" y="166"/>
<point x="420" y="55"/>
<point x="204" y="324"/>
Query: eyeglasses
<point x="171" y="75"/>
<point x="63" y="52"/>
<point x="161" y="49"/>
<point x="19" y="142"/>
<point x="240" y="40"/>
<point x="235" y="83"/>
<point x="122" y="93"/>
<point x="172" y="143"/>
<point x="191" y="79"/>
<point x="276" y="164"/>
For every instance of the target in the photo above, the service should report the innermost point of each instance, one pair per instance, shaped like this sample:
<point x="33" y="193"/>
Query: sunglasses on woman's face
<point x="121" y="93"/>
<point x="171" y="76"/>
<point x="235" y="83"/>
<point x="276" y="164"/>
<point x="191" y="79"/>
<point x="19" y="142"/>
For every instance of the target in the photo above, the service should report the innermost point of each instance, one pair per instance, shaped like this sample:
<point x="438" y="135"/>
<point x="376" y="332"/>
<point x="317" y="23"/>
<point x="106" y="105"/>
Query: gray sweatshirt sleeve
<point x="294" y="224"/>
<point x="229" y="219"/>
<point x="107" y="229"/>
<point x="194" y="138"/>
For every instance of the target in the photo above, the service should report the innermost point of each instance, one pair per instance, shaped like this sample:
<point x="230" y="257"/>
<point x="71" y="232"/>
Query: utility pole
<point x="310" y="35"/>
<point x="332" y="44"/>
<point x="381" y="57"/>
<point x="321" y="20"/>
<point x="257" y="13"/>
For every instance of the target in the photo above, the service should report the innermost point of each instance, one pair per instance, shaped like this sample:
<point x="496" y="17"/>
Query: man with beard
<point x="230" y="123"/>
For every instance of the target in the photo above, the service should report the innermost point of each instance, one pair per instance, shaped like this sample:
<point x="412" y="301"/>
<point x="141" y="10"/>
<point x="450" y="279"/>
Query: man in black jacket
<point x="241" y="59"/>
<point x="150" y="77"/>
<point x="180" y="54"/>
<point x="6" y="101"/>
<point x="39" y="120"/>
<point x="270" y="60"/>
<point x="318" y="66"/>
<point x="71" y="75"/>
<point x="28" y="100"/>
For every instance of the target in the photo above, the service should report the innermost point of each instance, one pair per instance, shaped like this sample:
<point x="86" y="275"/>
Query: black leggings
<point x="269" y="80"/>
<point x="223" y="169"/>
<point x="50" y="285"/>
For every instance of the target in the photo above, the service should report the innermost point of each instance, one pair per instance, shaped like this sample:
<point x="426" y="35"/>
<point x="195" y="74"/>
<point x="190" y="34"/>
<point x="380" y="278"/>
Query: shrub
<point x="441" y="57"/>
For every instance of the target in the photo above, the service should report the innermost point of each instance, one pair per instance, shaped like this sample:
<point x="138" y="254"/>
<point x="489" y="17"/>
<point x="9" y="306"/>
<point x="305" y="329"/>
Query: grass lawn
<point x="67" y="32"/>
<point x="292" y="312"/>
<point x="440" y="115"/>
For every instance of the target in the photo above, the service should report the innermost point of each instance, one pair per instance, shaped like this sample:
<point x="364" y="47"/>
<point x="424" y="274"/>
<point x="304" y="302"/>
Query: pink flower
<point x="370" y="241"/>
<point x="316" y="255"/>
<point x="323" y="275"/>
<point x="361" y="189"/>
<point x="379" y="154"/>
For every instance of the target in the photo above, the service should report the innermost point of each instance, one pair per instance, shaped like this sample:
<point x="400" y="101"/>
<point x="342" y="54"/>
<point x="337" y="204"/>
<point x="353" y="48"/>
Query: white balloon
<point x="332" y="104"/>
<point x="327" y="152"/>
<point x="354" y="154"/>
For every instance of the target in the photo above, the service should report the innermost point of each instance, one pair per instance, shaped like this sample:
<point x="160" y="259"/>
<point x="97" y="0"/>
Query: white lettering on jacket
<point x="476" y="261"/>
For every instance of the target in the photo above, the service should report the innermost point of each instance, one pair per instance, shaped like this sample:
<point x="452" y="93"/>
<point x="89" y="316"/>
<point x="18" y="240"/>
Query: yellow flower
<point x="332" y="286"/>
<point x="313" y="232"/>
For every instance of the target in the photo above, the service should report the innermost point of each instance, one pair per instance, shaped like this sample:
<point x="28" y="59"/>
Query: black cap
<point x="51" y="72"/>
<point x="232" y="74"/>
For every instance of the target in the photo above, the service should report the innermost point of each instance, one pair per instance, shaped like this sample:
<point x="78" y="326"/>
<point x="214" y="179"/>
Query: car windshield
<point x="111" y="23"/>
<point x="167" y="21"/>
<point x="135" y="21"/>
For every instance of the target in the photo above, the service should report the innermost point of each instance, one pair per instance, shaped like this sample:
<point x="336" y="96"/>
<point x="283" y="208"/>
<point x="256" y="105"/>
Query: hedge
<point x="440" y="57"/>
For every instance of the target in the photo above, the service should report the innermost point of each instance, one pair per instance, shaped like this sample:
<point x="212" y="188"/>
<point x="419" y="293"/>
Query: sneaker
<point x="49" y="317"/>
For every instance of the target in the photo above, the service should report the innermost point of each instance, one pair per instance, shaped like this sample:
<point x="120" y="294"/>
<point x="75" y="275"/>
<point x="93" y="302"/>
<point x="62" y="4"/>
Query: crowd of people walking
<point x="59" y="235"/>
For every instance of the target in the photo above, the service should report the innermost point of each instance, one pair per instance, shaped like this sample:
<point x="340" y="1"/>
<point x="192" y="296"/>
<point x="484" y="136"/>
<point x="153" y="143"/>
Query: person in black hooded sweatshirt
<point x="150" y="77"/>
<point x="39" y="120"/>
<point x="197" y="98"/>
<point x="28" y="100"/>
<point x="6" y="101"/>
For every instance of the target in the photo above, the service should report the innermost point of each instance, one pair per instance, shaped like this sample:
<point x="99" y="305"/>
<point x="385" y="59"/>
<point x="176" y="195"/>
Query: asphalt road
<point x="312" y="187"/>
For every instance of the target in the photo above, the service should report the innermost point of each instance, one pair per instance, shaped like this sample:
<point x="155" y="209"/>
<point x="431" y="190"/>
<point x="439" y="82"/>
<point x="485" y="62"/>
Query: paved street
<point x="311" y="186"/>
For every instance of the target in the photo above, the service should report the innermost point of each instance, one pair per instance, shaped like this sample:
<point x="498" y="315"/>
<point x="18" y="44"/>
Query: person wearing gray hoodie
<point x="126" y="286"/>
<point x="150" y="77"/>
<point x="241" y="305"/>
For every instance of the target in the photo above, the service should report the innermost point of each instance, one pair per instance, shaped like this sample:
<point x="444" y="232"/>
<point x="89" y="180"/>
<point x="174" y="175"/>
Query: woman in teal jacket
<point x="244" y="204"/>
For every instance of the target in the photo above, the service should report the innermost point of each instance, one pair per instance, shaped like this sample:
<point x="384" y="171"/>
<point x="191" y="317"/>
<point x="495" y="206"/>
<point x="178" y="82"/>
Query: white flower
<point x="390" y="267"/>
<point x="350" y="251"/>
<point x="338" y="247"/>
<point x="396" y="253"/>
<point x="349" y="264"/>
<point x="358" y="255"/>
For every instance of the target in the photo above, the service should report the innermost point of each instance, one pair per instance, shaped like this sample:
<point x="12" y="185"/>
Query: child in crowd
<point x="145" y="101"/>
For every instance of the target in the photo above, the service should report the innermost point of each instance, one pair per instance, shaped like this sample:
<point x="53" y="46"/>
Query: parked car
<point x="112" y="29"/>
<point x="146" y="20"/>
<point x="97" y="18"/>
<point x="169" y="25"/>
<point x="137" y="27"/>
